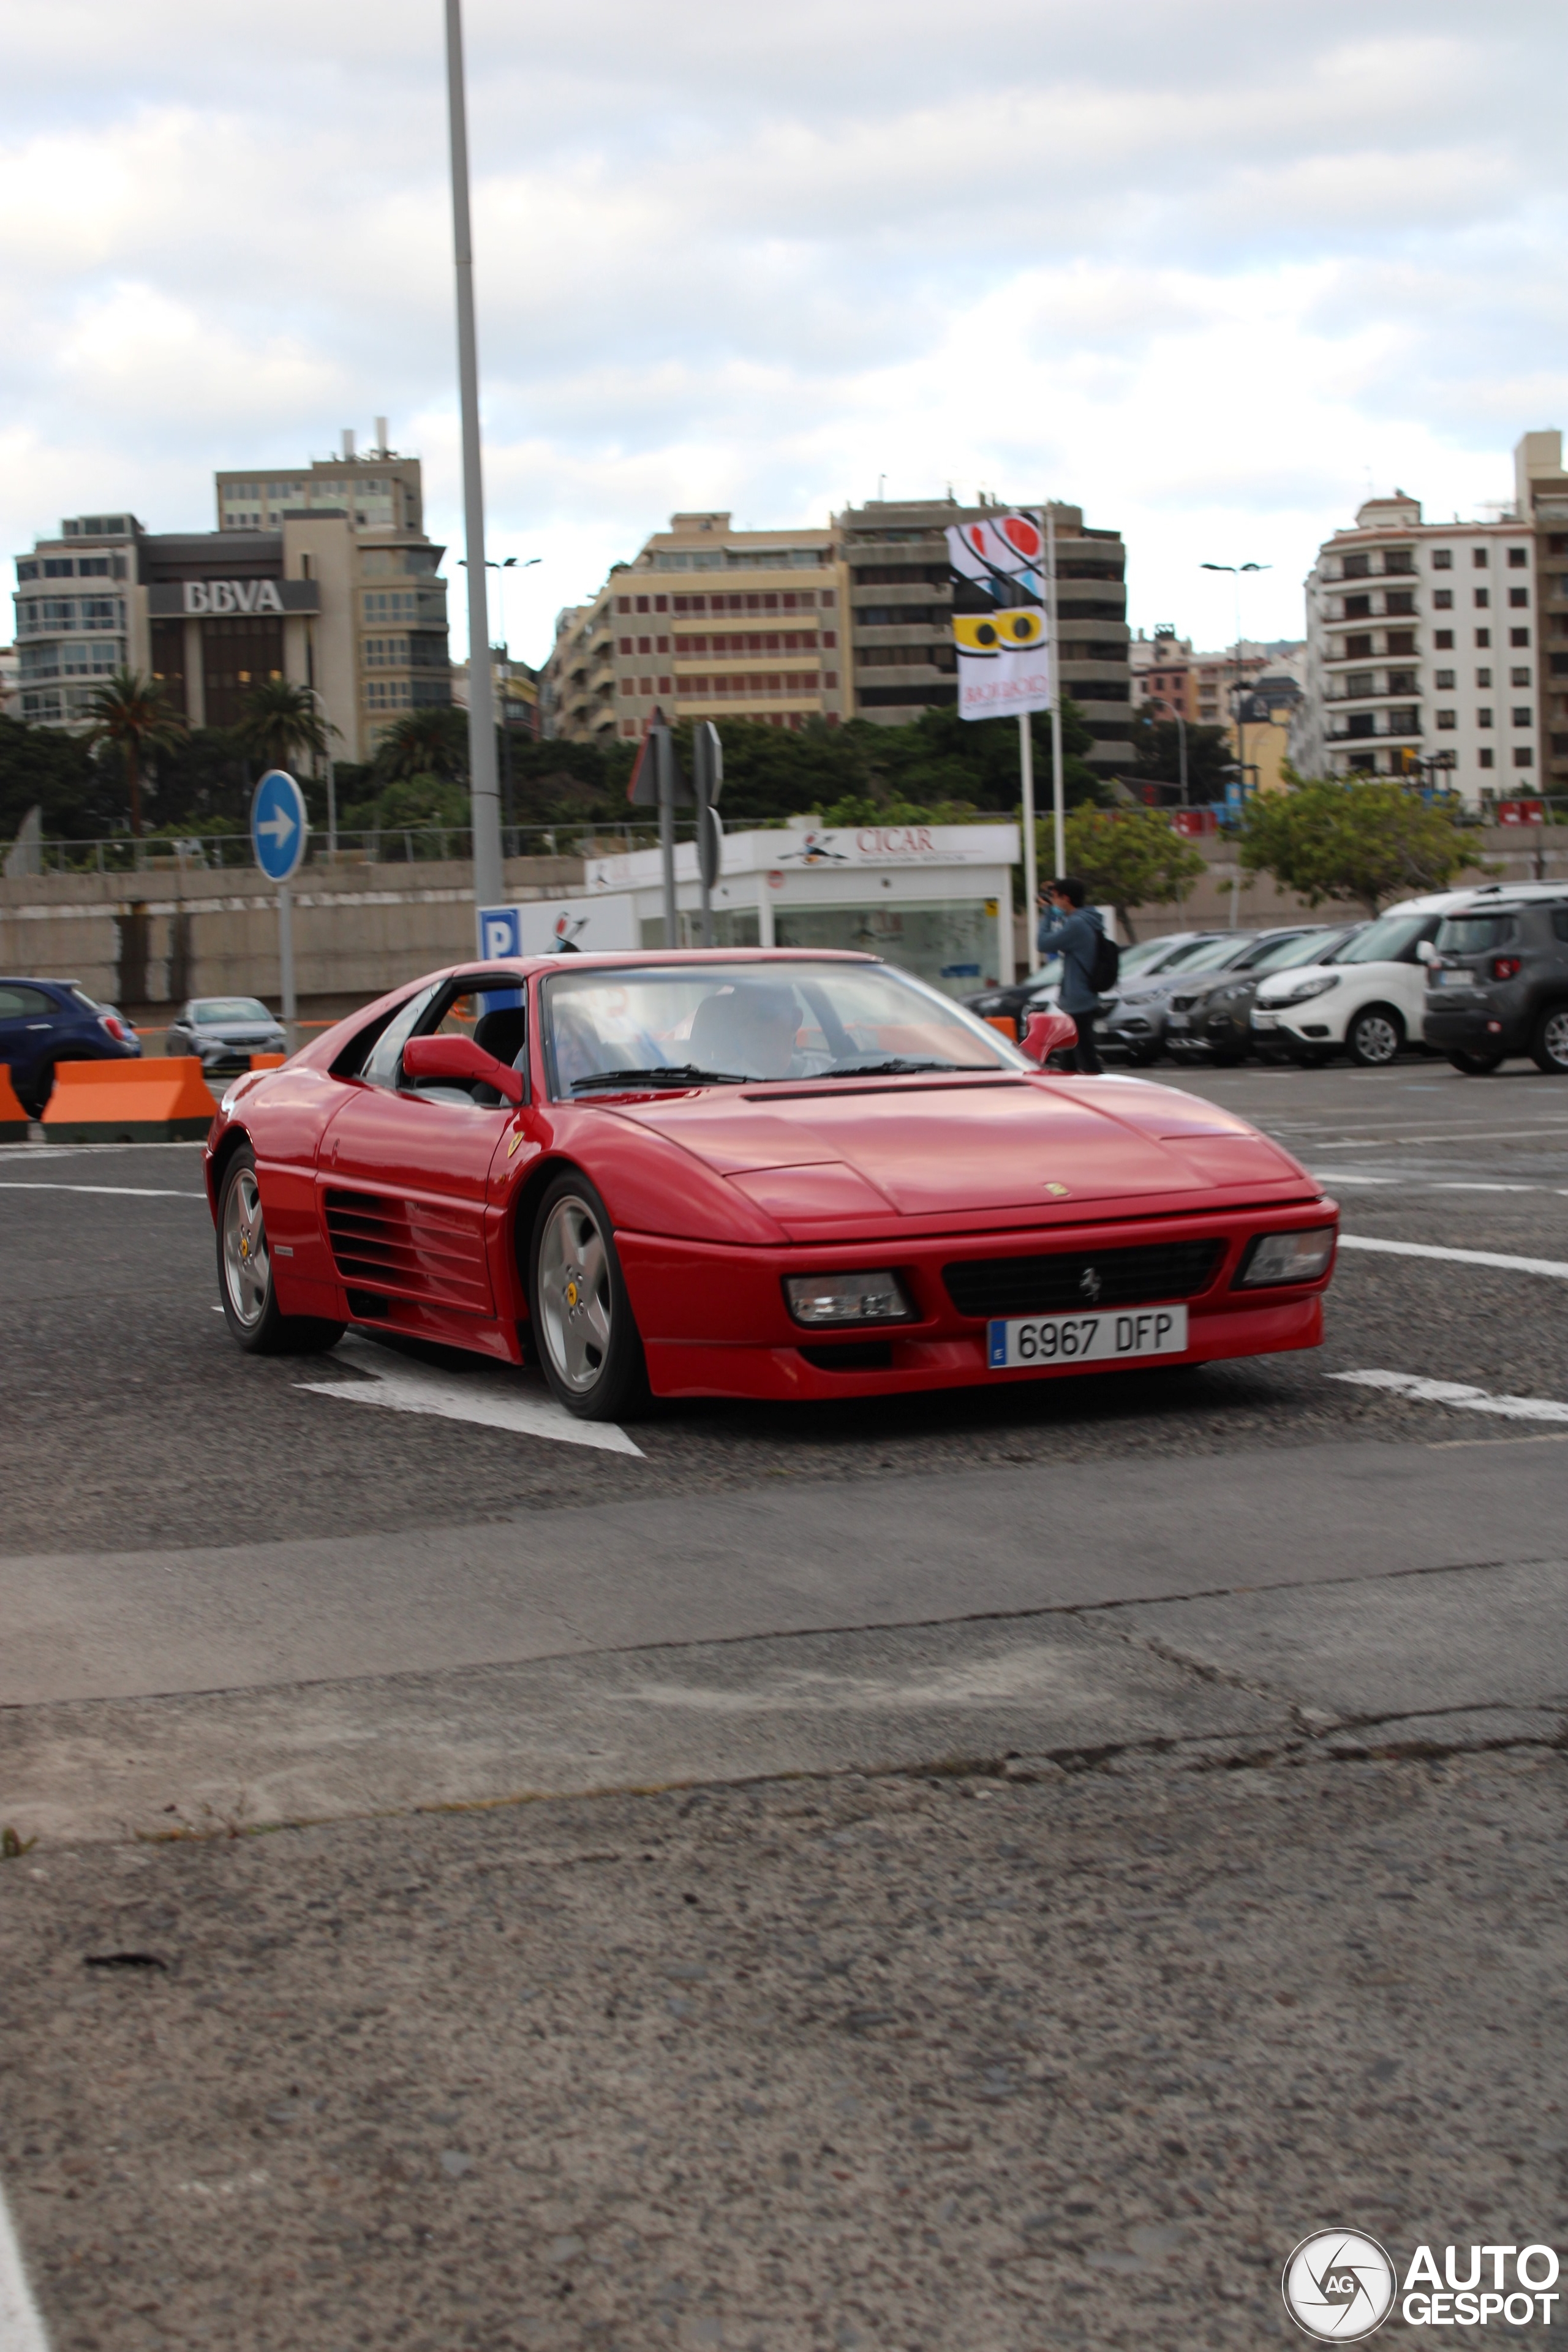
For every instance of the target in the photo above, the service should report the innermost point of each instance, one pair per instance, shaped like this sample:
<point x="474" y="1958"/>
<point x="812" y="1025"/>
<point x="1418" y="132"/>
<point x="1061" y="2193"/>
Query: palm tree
<point x="281" y="719"/>
<point x="131" y="710"/>
<point x="432" y="742"/>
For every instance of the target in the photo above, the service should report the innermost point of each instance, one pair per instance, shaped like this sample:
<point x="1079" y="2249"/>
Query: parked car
<point x="1210" y="1016"/>
<point x="1037" y="991"/>
<point x="776" y="1174"/>
<point x="43" y="1022"/>
<point x="1497" y="984"/>
<point x="1372" y="1001"/>
<point x="1134" y="1020"/>
<point x="223" y="1032"/>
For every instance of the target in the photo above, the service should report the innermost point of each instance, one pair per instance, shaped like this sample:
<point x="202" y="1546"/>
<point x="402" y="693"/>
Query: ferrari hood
<point x="831" y="1155"/>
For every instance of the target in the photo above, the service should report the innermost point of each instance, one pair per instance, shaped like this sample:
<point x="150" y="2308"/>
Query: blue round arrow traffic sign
<point x="280" y="827"/>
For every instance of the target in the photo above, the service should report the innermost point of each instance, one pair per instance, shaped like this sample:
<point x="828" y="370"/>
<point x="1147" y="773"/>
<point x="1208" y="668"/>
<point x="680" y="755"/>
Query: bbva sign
<point x="232" y="596"/>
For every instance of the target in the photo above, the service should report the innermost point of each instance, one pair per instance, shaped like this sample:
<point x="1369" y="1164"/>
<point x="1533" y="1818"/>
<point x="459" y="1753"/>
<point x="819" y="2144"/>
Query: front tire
<point x="245" y="1284"/>
<point x="589" y="1348"/>
<point x="1375" y="1036"/>
<point x="1548" y="1046"/>
<point x="1475" y="1066"/>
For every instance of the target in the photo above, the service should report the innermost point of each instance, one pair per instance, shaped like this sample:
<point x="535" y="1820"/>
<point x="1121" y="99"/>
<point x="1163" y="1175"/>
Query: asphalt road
<point x="236" y="1594"/>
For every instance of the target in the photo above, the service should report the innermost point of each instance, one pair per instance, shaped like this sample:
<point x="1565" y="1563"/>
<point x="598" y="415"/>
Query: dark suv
<point x="1497" y="984"/>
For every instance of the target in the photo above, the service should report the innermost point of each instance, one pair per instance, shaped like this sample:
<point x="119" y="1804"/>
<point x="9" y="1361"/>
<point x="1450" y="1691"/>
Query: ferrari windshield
<point x="721" y="1025"/>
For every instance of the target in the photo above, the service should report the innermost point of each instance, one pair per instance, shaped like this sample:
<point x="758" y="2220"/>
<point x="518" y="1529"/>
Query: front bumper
<point x="713" y="1322"/>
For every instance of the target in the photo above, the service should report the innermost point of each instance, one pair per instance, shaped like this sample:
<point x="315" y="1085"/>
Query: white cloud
<point x="1213" y="280"/>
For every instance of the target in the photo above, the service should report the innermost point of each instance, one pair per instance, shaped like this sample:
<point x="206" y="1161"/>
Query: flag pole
<point x="1059" y="843"/>
<point x="1031" y="875"/>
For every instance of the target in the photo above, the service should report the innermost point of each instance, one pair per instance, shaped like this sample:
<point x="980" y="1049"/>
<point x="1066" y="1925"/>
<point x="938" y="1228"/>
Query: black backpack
<point x="1106" y="969"/>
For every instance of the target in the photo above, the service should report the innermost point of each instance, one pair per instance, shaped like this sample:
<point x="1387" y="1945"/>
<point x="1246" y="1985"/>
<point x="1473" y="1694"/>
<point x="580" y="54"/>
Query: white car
<point x="1373" y="998"/>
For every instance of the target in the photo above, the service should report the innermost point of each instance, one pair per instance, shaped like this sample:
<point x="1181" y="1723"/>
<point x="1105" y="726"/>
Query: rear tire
<point x="1374" y="1036"/>
<point x="245" y="1284"/>
<point x="589" y="1348"/>
<point x="1548" y="1046"/>
<point x="1476" y="1065"/>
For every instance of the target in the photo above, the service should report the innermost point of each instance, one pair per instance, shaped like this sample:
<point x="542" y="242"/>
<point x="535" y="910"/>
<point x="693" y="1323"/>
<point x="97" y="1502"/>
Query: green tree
<point x="432" y="742"/>
<point x="1157" y="757"/>
<point x="43" y="767"/>
<point x="131" y="713"/>
<point x="1365" y="839"/>
<point x="281" y="719"/>
<point x="1127" y="857"/>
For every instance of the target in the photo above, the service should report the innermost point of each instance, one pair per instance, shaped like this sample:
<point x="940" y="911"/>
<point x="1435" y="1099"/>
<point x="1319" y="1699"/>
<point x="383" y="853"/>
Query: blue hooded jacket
<point x="1075" y="938"/>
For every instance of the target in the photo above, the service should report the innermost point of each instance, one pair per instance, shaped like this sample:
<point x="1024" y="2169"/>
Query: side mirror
<point x="1047" y="1033"/>
<point x="1426" y="952"/>
<point x="461" y="1059"/>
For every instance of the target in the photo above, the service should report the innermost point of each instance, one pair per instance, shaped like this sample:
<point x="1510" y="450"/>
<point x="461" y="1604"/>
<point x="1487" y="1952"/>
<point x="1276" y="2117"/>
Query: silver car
<point x="223" y="1032"/>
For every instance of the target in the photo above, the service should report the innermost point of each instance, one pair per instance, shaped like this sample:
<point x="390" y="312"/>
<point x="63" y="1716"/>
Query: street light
<point x="1235" y="573"/>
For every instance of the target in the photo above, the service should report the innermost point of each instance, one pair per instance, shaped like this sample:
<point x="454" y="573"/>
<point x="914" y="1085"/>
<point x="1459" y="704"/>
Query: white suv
<point x="1373" y="997"/>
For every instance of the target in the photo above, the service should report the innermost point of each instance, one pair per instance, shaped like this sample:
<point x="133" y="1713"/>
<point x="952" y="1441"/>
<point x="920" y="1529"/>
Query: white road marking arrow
<point x="492" y="1398"/>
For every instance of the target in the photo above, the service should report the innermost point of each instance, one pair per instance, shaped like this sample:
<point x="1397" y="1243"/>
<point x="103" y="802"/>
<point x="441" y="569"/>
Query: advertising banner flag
<point x="999" y="616"/>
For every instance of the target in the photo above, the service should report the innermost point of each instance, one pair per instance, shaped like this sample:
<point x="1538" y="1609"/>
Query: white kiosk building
<point x="935" y="900"/>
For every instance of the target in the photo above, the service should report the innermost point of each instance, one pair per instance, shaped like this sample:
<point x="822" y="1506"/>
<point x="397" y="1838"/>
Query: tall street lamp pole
<point x="489" y="879"/>
<point x="507" y="563"/>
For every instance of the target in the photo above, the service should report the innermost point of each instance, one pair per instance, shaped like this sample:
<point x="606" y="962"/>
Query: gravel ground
<point x="888" y="2063"/>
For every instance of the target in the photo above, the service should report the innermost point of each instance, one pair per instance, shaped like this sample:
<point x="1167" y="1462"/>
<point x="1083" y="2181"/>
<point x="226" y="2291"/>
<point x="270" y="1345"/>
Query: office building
<point x="1421" y="652"/>
<point x="1540" y="494"/>
<point x="900" y="616"/>
<point x="1165" y="684"/>
<point x="320" y="574"/>
<point x="706" y="622"/>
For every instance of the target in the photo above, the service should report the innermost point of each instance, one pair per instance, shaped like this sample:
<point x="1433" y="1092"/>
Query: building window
<point x="1522" y="715"/>
<point x="1357" y="648"/>
<point x="1443" y="599"/>
<point x="1520" y="599"/>
<point x="1446" y="721"/>
<point x="1483" y="598"/>
<point x="388" y="694"/>
<point x="1399" y="600"/>
<point x="1485" y="755"/>
<point x="1442" y="558"/>
<point x="1444" y="640"/>
<point x="1478" y="558"/>
<point x="1483" y="718"/>
<point x="627" y="686"/>
<point x="642" y="604"/>
<point x="1398" y="559"/>
<point x="1359" y="682"/>
<point x="644" y="645"/>
<point x="660" y="604"/>
<point x="1445" y="681"/>
<point x="663" y="645"/>
<point x="829" y="677"/>
<point x="1519" y="677"/>
<point x="1523" y="755"/>
<point x="1518" y="637"/>
<point x="645" y="684"/>
<point x="1405" y="721"/>
<point x="1517" y="557"/>
<point x="623" y="604"/>
<point x="1357" y="567"/>
<point x="664" y="686"/>
<point x="1483" y="677"/>
<point x="1401" y="681"/>
<point x="1483" y="638"/>
<point x="627" y="646"/>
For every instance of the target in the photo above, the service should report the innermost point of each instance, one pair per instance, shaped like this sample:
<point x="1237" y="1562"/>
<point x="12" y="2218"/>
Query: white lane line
<point x="1456" y="1392"/>
<point x="21" y="2329"/>
<point x="1548" y="1265"/>
<point x="498" y="1401"/>
<point x="130" y="1191"/>
<point x="1337" y="1176"/>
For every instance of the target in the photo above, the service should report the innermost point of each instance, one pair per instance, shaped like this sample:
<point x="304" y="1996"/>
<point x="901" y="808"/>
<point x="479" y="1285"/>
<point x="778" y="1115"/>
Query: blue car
<point x="43" y="1022"/>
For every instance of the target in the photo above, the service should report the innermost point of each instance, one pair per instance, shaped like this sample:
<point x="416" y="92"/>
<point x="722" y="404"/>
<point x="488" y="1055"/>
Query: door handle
<point x="40" y="1024"/>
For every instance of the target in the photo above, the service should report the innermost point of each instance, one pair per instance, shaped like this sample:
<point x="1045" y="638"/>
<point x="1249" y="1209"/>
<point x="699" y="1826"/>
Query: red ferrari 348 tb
<point x="746" y="1173"/>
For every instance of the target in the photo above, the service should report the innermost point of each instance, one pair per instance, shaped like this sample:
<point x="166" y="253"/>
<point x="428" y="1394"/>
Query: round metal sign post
<point x="279" y="828"/>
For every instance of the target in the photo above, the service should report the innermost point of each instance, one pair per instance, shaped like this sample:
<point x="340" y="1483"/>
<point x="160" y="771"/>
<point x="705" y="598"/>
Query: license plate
<point x="1456" y="979"/>
<point x="1263" y="1020"/>
<point x="1108" y="1336"/>
<point x="1178" y="1021"/>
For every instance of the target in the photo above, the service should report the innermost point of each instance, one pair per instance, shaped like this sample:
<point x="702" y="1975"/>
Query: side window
<point x="26" y="1004"/>
<point x="379" y="1068"/>
<point x="1560" y="922"/>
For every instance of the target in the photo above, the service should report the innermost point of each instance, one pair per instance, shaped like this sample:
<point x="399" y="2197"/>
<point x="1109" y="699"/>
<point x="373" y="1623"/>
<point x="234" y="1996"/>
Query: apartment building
<point x="706" y="622"/>
<point x="900" y="616"/>
<point x="1164" y="683"/>
<point x="1421" y="652"/>
<point x="321" y="575"/>
<point x="1540" y="493"/>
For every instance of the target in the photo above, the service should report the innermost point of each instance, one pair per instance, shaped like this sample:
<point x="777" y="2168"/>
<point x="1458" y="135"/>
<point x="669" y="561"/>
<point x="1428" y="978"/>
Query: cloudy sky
<point x="1211" y="271"/>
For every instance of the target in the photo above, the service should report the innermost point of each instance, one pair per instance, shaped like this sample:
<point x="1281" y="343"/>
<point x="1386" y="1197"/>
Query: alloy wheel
<point x="576" y="1308"/>
<point x="1376" y="1039"/>
<point x="1554" y="1038"/>
<point x="247" y="1263"/>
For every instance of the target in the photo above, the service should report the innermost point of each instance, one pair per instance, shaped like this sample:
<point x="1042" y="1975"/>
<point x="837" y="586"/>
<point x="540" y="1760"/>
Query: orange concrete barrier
<point x="152" y="1101"/>
<point x="267" y="1061"/>
<point x="13" y="1117"/>
<point x="1006" y="1023"/>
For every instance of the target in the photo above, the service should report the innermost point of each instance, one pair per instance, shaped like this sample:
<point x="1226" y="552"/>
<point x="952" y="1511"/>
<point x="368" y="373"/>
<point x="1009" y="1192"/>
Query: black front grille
<point x="1067" y="1278"/>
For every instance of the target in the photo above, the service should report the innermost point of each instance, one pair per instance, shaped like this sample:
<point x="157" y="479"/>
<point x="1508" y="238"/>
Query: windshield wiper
<point x="666" y="1073"/>
<point x="893" y="1069"/>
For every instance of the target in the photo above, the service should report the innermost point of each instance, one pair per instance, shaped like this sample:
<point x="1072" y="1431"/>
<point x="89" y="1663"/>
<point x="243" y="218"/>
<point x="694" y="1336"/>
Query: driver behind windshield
<point x="748" y="1029"/>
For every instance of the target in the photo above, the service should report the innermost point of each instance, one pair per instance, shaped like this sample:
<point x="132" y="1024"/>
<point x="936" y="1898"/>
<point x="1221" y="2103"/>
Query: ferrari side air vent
<point x="384" y="1243"/>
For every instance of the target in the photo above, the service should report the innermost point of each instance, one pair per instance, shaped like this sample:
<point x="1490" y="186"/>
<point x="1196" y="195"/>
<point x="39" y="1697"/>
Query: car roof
<point x="1445" y="902"/>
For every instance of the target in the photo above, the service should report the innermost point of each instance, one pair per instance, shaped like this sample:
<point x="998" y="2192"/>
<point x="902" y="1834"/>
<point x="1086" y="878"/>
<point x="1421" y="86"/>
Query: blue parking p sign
<point x="501" y="932"/>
